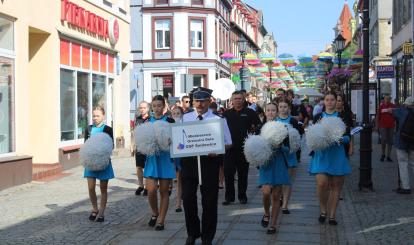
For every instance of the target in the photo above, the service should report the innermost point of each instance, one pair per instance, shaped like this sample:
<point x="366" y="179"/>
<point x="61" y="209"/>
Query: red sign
<point x="79" y="17"/>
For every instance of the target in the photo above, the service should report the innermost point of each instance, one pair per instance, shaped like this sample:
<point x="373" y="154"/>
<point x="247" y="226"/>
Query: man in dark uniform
<point x="210" y="166"/>
<point x="241" y="121"/>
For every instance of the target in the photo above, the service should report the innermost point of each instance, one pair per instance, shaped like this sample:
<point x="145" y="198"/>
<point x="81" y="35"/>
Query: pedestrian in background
<point x="404" y="141"/>
<point x="98" y="126"/>
<point x="177" y="114"/>
<point x="272" y="177"/>
<point x="343" y="108"/>
<point x="283" y="115"/>
<point x="386" y="126"/>
<point x="330" y="166"/>
<point x="143" y="117"/>
<point x="159" y="171"/>
<point x="186" y="103"/>
<point x="241" y="121"/>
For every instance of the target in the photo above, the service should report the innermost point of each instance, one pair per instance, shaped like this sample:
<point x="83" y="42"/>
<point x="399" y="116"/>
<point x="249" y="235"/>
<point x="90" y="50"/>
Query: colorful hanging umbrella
<point x="325" y="56"/>
<point x="234" y="60"/>
<point x="250" y="57"/>
<point x="227" y="56"/>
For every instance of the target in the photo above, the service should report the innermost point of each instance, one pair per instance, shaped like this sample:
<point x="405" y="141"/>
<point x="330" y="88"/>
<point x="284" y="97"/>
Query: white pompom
<point x="294" y="139"/>
<point x="257" y="150"/>
<point x="317" y="137"/>
<point x="163" y="134"/>
<point x="335" y="128"/>
<point x="145" y="139"/>
<point x="95" y="154"/>
<point x="274" y="132"/>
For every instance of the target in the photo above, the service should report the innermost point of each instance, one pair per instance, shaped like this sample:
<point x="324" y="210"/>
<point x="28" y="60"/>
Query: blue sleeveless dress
<point x="331" y="161"/>
<point x="159" y="165"/>
<point x="108" y="172"/>
<point x="291" y="157"/>
<point x="276" y="171"/>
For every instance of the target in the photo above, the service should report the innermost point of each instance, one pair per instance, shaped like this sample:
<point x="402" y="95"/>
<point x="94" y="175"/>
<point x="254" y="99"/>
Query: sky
<point x="301" y="26"/>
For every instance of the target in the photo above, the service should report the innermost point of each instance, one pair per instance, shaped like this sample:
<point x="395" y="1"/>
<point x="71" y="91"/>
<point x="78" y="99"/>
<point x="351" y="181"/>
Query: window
<point x="162" y="32"/>
<point x="98" y="91"/>
<point x="67" y="105"/>
<point x="6" y="34"/>
<point x="6" y="105"/>
<point x="83" y="103"/>
<point x="162" y="2"/>
<point x="198" y="81"/>
<point x="197" y="2"/>
<point x="196" y="35"/>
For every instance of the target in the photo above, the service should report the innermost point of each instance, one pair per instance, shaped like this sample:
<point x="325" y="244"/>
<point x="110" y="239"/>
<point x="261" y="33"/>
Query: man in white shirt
<point x="210" y="166"/>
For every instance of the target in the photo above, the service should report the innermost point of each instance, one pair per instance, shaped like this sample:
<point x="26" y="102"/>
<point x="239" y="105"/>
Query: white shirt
<point x="193" y="116"/>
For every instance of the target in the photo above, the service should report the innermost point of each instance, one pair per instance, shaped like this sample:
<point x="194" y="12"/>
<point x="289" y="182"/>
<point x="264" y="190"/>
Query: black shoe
<point x="138" y="191"/>
<point x="332" y="221"/>
<point x="93" y="215"/>
<point x="243" y="200"/>
<point x="265" y="221"/>
<point x="178" y="210"/>
<point x="382" y="158"/>
<point x="271" y="230"/>
<point x="285" y="211"/>
<point x="322" y="218"/>
<point x="145" y="193"/>
<point x="403" y="191"/>
<point x="159" y="227"/>
<point x="190" y="240"/>
<point x="100" y="219"/>
<point x="221" y="187"/>
<point x="153" y="221"/>
<point x="206" y="243"/>
<point x="226" y="203"/>
<point x="389" y="159"/>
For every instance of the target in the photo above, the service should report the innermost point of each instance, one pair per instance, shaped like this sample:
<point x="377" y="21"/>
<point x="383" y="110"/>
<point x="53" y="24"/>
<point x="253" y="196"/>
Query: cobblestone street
<point x="56" y="211"/>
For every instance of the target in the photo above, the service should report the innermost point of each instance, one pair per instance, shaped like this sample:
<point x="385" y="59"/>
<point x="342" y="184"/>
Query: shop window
<point x="76" y="54"/>
<point x="196" y="34"/>
<point x="6" y="105"/>
<point x="162" y="32"/>
<point x="86" y="57"/>
<point x="98" y="91"/>
<point x="83" y="103"/>
<point x="6" y="34"/>
<point x="95" y="60"/>
<point x="163" y="85"/>
<point x="67" y="105"/>
<point x="64" y="52"/>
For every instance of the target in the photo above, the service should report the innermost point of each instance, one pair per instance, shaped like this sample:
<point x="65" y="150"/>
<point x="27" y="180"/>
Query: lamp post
<point x="340" y="46"/>
<point x="242" y="44"/>
<point x="269" y="65"/>
<point x="365" y="167"/>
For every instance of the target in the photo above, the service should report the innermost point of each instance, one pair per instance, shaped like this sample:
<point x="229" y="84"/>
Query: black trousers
<point x="235" y="161"/>
<point x="210" y="167"/>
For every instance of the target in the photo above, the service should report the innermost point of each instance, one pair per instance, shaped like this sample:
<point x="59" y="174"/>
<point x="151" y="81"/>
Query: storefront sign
<point x="385" y="71"/>
<point x="197" y="138"/>
<point x="84" y="19"/>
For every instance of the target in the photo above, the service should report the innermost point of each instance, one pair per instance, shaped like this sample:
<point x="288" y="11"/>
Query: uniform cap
<point x="201" y="93"/>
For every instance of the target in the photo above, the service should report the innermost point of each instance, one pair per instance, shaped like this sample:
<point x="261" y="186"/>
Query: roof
<point x="344" y="21"/>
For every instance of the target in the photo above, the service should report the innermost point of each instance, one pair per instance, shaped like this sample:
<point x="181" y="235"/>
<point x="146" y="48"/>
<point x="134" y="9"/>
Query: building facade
<point x="402" y="36"/>
<point x="176" y="45"/>
<point x="380" y="32"/>
<point x="56" y="64"/>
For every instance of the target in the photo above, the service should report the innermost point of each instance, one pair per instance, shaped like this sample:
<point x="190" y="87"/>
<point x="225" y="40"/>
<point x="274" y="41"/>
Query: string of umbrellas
<point x="289" y="72"/>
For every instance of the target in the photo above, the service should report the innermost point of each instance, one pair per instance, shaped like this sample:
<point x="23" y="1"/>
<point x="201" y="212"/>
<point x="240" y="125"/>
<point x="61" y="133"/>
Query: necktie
<point x="200" y="117"/>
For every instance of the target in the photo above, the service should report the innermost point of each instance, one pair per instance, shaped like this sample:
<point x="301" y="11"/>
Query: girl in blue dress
<point x="97" y="214"/>
<point x="284" y="108"/>
<point x="330" y="166"/>
<point x="159" y="171"/>
<point x="272" y="177"/>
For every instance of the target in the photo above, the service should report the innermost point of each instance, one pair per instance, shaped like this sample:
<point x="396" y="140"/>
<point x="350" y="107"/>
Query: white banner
<point x="197" y="138"/>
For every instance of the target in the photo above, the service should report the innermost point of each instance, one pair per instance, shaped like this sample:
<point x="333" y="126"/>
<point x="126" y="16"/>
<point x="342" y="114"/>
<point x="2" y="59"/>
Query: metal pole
<point x="379" y="93"/>
<point x="365" y="167"/>
<point x="242" y="72"/>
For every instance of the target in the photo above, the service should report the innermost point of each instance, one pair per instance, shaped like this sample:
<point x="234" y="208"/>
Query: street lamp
<point x="365" y="164"/>
<point x="269" y="65"/>
<point x="242" y="43"/>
